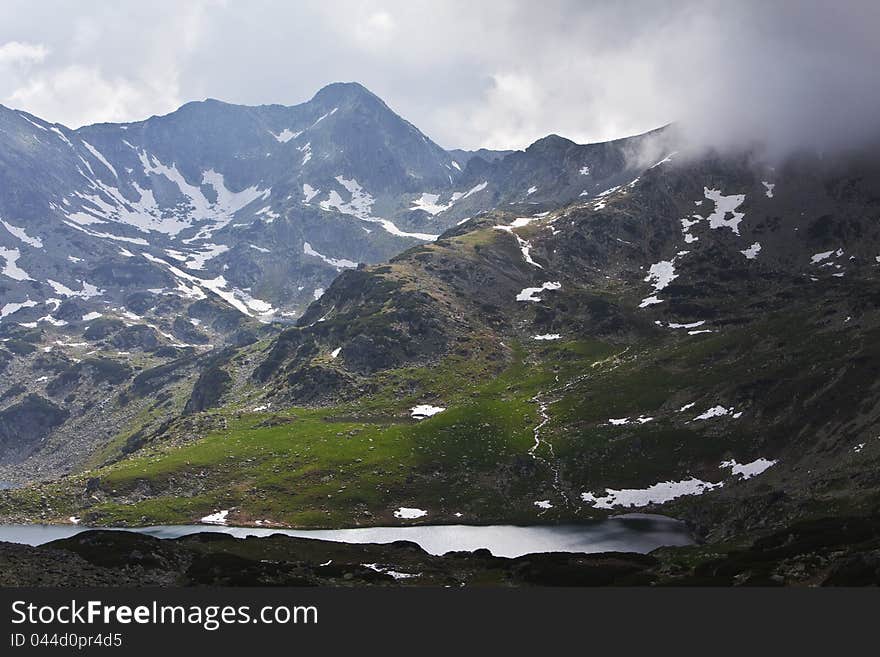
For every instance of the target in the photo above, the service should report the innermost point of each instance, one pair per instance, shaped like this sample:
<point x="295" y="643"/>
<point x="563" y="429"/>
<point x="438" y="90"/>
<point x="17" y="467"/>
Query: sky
<point x="493" y="73"/>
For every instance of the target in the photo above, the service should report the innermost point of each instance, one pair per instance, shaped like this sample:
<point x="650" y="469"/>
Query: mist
<point x="780" y="77"/>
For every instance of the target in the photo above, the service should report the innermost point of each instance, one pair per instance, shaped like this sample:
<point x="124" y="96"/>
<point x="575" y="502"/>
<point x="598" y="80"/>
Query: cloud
<point x="510" y="110"/>
<point x="377" y="29"/>
<point x="111" y="62"/>
<point x="495" y="73"/>
<point x="88" y="97"/>
<point x="783" y="79"/>
<point x="17" y="52"/>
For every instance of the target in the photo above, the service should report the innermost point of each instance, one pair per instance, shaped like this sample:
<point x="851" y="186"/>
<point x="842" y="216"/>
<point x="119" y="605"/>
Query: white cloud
<point x="111" y="62"/>
<point x="16" y="52"/>
<point x="376" y="30"/>
<point x="86" y="96"/>
<point x="510" y="110"/>
<point x="497" y="73"/>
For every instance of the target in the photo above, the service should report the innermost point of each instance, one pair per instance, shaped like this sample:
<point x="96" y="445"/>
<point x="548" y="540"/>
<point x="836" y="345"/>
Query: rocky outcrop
<point x="25" y="424"/>
<point x="209" y="388"/>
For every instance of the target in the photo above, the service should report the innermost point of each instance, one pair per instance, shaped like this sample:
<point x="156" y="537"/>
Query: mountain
<point x="700" y="340"/>
<point x="595" y="328"/>
<point x="135" y="256"/>
<point x="256" y="207"/>
<point x="703" y="337"/>
<point x="213" y="190"/>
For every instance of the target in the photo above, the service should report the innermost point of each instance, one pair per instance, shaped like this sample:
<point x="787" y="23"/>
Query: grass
<point x="355" y="463"/>
<point x="347" y="465"/>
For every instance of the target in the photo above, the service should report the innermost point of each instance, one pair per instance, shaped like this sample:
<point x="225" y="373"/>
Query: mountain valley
<point x="314" y="316"/>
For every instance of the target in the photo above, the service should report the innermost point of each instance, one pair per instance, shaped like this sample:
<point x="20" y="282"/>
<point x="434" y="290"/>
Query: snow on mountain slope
<point x="231" y="193"/>
<point x="198" y="183"/>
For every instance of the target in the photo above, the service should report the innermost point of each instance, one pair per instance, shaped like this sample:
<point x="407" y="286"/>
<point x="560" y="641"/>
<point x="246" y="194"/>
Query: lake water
<point x="5" y="485"/>
<point x="627" y="533"/>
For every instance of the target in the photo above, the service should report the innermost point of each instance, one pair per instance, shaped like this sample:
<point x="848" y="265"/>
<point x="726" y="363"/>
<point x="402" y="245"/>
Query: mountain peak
<point x="550" y="142"/>
<point x="339" y="92"/>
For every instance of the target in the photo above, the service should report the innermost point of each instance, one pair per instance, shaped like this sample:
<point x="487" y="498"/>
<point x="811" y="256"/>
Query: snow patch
<point x="423" y="411"/>
<point x="673" y="325"/>
<point x="715" y="411"/>
<point x="13" y="307"/>
<point x="666" y="159"/>
<point x="659" y="493"/>
<point x="218" y="518"/>
<point x="306" y="150"/>
<point x="819" y="257"/>
<point x="752" y="252"/>
<point x="430" y="203"/>
<point x="309" y="192"/>
<point x="238" y="299"/>
<point x="339" y="263"/>
<point x="725" y="205"/>
<point x="10" y="267"/>
<point x="619" y="422"/>
<point x="748" y="470"/>
<point x="22" y="236"/>
<point x="87" y="292"/>
<point x="198" y="259"/>
<point x="94" y="151"/>
<point x="360" y="205"/>
<point x="385" y="571"/>
<point x="285" y="135"/>
<point x="528" y="294"/>
<point x="131" y="240"/>
<point x="525" y="247"/>
<point x="457" y="196"/>
<point x="661" y="274"/>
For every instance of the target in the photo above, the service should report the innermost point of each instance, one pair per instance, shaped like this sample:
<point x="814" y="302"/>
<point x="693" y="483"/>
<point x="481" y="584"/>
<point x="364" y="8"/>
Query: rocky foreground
<point x="826" y="552"/>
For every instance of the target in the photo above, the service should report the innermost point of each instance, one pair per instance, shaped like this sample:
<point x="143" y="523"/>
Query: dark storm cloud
<point x="489" y="73"/>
